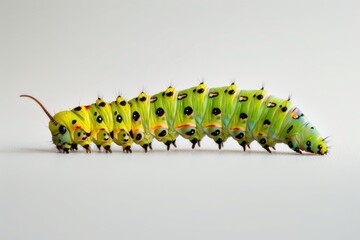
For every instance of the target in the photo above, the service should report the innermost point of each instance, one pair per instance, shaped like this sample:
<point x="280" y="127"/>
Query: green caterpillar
<point x="219" y="113"/>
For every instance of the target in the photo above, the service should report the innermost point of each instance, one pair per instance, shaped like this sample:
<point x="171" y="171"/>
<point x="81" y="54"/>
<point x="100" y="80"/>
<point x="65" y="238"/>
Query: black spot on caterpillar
<point x="220" y="113"/>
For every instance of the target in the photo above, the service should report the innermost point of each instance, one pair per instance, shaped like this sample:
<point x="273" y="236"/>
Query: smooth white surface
<point x="67" y="53"/>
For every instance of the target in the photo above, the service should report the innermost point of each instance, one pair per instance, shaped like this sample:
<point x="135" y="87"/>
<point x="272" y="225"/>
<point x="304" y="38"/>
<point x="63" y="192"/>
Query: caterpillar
<point x="219" y="113"/>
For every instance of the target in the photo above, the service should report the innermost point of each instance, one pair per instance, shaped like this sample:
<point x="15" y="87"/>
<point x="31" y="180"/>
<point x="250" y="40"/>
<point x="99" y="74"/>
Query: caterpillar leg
<point x="169" y="143"/>
<point x="298" y="150"/>
<point x="60" y="148"/>
<point x="293" y="145"/>
<point x="146" y="146"/>
<point x="195" y="141"/>
<point x="244" y="145"/>
<point x="127" y="149"/>
<point x="266" y="143"/>
<point x="87" y="148"/>
<point x="220" y="143"/>
<point x="74" y="147"/>
<point x="64" y="148"/>
<point x="267" y="148"/>
<point x="106" y="147"/>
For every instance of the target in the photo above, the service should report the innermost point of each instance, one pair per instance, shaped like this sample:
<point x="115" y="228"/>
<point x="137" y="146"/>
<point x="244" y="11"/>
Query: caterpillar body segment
<point x="219" y="113"/>
<point x="238" y="124"/>
<point x="231" y="94"/>
<point x="102" y="122"/>
<point x="162" y="115"/>
<point x="191" y="110"/>
<point x="212" y="122"/>
<point x="140" y="132"/>
<point x="122" y="123"/>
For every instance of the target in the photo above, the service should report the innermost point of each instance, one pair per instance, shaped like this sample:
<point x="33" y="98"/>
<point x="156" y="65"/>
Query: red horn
<point x="43" y="108"/>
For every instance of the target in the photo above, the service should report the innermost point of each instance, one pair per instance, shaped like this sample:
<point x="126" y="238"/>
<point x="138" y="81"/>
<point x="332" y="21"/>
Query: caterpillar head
<point x="67" y="128"/>
<point x="320" y="146"/>
<point x="61" y="136"/>
<point x="310" y="141"/>
<point x="70" y="129"/>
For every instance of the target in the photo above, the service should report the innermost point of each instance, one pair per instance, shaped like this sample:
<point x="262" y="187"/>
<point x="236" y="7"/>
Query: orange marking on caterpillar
<point x="236" y="128"/>
<point x="212" y="125"/>
<point x="185" y="125"/>
<point x="294" y="114"/>
<point x="158" y="126"/>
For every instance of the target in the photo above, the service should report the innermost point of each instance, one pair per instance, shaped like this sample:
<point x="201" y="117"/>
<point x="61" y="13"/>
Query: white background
<point x="68" y="53"/>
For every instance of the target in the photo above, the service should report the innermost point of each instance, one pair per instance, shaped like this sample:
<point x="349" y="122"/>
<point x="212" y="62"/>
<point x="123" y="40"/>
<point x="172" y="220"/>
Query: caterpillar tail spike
<point x="218" y="113"/>
<point x="43" y="108"/>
